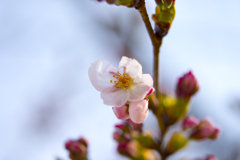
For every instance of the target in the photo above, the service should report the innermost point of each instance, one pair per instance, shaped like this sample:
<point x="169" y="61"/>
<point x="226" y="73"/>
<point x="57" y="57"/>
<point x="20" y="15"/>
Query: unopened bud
<point x="203" y="130"/>
<point x="187" y="86"/>
<point x="211" y="157"/>
<point x="169" y="3"/>
<point x="190" y="122"/>
<point x="83" y="141"/>
<point x="178" y="141"/>
<point x="215" y="134"/>
<point x="159" y="2"/>
<point x="138" y="111"/>
<point x="117" y="136"/>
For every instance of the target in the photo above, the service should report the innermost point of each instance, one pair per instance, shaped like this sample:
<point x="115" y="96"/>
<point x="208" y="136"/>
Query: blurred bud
<point x="187" y="86"/>
<point x="128" y="148"/>
<point x="215" y="134"/>
<point x="175" y="109"/>
<point x="190" y="122"/>
<point x="203" y="130"/>
<point x="138" y="111"/>
<point x="121" y="126"/>
<point x="159" y="2"/>
<point x="169" y="3"/>
<point x="135" y="126"/>
<point x="128" y="3"/>
<point x="121" y="112"/>
<point x="178" y="141"/>
<point x="211" y="157"/>
<point x="146" y="140"/>
<point x="83" y="141"/>
<point x="77" y="150"/>
<point x="117" y="136"/>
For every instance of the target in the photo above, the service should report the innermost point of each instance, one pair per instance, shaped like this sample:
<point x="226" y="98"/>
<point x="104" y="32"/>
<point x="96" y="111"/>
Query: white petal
<point x="131" y="67"/>
<point x="138" y="111"/>
<point x="100" y="74"/>
<point x="115" y="96"/>
<point x="138" y="91"/>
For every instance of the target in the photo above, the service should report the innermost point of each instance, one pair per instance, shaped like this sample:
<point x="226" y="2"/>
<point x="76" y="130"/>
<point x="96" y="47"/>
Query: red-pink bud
<point x="121" y="126"/>
<point x="215" y="134"/>
<point x="76" y="148"/>
<point x="190" y="122"/>
<point x="187" y="86"/>
<point x="68" y="144"/>
<point x="117" y="136"/>
<point x="83" y="141"/>
<point x="203" y="130"/>
<point x="211" y="157"/>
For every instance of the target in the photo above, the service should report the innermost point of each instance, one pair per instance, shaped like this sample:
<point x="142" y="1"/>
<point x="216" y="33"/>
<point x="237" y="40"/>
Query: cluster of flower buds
<point x="187" y="86"/>
<point x="128" y="3"/>
<point x="200" y="130"/>
<point x="176" y="108"/>
<point x="164" y="16"/>
<point x="193" y="129"/>
<point x="209" y="157"/>
<point x="77" y="148"/>
<point x="132" y="142"/>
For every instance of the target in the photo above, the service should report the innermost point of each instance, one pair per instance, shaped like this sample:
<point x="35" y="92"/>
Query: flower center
<point x="124" y="81"/>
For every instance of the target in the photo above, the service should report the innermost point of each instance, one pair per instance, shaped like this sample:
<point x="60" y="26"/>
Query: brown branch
<point x="155" y="42"/>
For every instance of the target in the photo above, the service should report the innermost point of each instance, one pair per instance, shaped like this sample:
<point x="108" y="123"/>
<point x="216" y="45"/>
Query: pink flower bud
<point x="187" y="86"/>
<point x="138" y="111"/>
<point x="215" y="134"/>
<point x="190" y="122"/>
<point x="121" y="112"/>
<point x="121" y="126"/>
<point x="83" y="141"/>
<point x="68" y="144"/>
<point x="211" y="157"/>
<point x="117" y="136"/>
<point x="77" y="149"/>
<point x="203" y="130"/>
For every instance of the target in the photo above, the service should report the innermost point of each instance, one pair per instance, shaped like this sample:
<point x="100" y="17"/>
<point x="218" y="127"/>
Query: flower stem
<point x="156" y="42"/>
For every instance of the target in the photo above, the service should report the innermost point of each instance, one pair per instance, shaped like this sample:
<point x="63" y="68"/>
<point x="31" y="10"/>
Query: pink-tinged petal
<point x="115" y="96"/>
<point x="138" y="111"/>
<point x="100" y="74"/>
<point x="131" y="67"/>
<point x="147" y="79"/>
<point x="138" y="91"/>
<point x="121" y="112"/>
<point x="150" y="92"/>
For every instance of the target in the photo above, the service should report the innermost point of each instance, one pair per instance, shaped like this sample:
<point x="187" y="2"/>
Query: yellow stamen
<point x="123" y="81"/>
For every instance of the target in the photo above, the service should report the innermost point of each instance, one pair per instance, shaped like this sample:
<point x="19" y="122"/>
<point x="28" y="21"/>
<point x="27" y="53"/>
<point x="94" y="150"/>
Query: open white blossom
<point x="117" y="89"/>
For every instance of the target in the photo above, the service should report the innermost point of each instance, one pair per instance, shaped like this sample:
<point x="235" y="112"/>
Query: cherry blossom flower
<point x="117" y="89"/>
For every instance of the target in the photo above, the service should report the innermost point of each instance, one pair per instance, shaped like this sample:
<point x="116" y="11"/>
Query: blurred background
<point x="47" y="46"/>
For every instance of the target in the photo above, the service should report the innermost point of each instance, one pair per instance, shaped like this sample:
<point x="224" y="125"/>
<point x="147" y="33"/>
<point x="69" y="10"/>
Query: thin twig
<point x="155" y="42"/>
